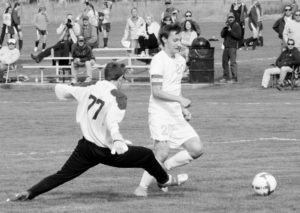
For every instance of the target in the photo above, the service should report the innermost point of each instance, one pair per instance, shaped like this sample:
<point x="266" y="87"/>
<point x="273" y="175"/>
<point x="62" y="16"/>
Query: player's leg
<point x="80" y="161"/>
<point x="106" y="29"/>
<point x="44" y="40"/>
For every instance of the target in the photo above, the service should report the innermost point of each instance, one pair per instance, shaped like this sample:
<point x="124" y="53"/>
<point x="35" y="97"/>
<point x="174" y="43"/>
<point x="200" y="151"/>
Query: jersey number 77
<point x="96" y="103"/>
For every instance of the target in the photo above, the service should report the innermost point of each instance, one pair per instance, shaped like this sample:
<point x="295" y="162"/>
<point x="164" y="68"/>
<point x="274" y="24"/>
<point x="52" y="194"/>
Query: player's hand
<point x="186" y="114"/>
<point x="120" y="147"/>
<point x="185" y="103"/>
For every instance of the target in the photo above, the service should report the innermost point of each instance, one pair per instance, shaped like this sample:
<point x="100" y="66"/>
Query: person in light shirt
<point x="8" y="55"/>
<point x="292" y="30"/>
<point x="101" y="107"/>
<point x="168" y="113"/>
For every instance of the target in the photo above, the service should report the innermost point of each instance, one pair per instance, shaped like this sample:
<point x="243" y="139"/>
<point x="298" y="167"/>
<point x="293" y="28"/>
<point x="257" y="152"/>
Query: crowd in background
<point x="141" y="33"/>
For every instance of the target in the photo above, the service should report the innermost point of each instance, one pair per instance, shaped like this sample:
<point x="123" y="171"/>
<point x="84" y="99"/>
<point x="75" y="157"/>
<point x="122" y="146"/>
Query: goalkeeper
<point x="101" y="107"/>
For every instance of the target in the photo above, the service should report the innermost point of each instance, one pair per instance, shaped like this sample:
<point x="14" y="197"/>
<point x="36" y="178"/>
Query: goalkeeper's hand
<point x="120" y="147"/>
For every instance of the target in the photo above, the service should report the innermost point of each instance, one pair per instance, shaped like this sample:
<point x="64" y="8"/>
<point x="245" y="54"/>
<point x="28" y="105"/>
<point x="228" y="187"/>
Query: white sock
<point x="179" y="159"/>
<point x="146" y="180"/>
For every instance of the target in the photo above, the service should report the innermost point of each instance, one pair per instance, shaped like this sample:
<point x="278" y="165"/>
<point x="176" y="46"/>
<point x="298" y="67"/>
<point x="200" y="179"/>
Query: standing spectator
<point x="294" y="6"/>
<point x="133" y="26"/>
<point x="68" y="31"/>
<point x="168" y="113"/>
<point x="100" y="110"/>
<point x="167" y="20"/>
<point x="8" y="54"/>
<point x="89" y="32"/>
<point x="255" y="25"/>
<point x="284" y="63"/>
<point x="7" y="25"/>
<point x="40" y="22"/>
<point x="231" y="33"/>
<point x="82" y="57"/>
<point x="188" y="16"/>
<point x="168" y="9"/>
<point x="280" y="23"/>
<point x="148" y="36"/>
<point x="239" y="10"/>
<point x="106" y="23"/>
<point x="292" y="30"/>
<point x="16" y="23"/>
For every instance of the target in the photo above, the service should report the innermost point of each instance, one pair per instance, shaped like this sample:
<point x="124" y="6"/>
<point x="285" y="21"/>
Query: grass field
<point x="245" y="130"/>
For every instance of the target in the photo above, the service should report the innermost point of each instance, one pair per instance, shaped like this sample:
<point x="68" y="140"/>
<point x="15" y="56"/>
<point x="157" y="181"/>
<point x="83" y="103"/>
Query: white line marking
<point x="242" y="141"/>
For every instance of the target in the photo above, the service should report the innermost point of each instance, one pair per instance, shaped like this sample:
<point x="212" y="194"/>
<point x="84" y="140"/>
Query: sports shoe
<point x="22" y="196"/>
<point x="223" y="80"/>
<point x="279" y="87"/>
<point x="35" y="58"/>
<point x="35" y="49"/>
<point x="141" y="191"/>
<point x="175" y="180"/>
<point x="232" y="81"/>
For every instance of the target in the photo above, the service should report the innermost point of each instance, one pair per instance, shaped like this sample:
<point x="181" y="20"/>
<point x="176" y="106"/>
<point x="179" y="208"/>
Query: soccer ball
<point x="264" y="184"/>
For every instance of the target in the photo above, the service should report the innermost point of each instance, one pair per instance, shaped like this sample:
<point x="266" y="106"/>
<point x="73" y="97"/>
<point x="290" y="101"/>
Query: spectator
<point x="294" y="6"/>
<point x="148" y="36"/>
<point x="8" y="54"/>
<point x="89" y="32"/>
<point x="239" y="10"/>
<point x="188" y="34"/>
<point x="280" y="23"/>
<point x="106" y="23"/>
<point x="167" y="20"/>
<point x="284" y="63"/>
<point x="40" y="22"/>
<point x="7" y="25"/>
<point x="255" y="25"/>
<point x="232" y="34"/>
<point x="188" y="16"/>
<point x="82" y="56"/>
<point x="170" y="11"/>
<point x="292" y="30"/>
<point x="68" y="31"/>
<point x="16" y="23"/>
<point x="133" y="26"/>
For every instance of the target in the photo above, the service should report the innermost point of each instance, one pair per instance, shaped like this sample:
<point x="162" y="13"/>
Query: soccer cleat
<point x="22" y="196"/>
<point x="175" y="180"/>
<point x="141" y="192"/>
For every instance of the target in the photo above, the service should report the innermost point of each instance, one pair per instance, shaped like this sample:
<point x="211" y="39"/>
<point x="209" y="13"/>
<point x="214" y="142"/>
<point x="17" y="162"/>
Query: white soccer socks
<point x="179" y="159"/>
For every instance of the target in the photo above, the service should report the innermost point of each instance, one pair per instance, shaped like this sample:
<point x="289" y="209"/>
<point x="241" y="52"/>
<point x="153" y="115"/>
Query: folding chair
<point x="11" y="68"/>
<point x="295" y="77"/>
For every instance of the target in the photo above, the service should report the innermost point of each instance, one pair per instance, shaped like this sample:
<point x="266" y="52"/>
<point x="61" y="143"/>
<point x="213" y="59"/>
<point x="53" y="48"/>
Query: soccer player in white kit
<point x="168" y="113"/>
<point x="101" y="107"/>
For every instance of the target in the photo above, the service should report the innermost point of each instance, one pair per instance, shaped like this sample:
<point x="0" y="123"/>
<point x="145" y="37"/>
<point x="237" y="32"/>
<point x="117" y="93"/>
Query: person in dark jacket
<point x="239" y="10"/>
<point x="16" y="23"/>
<point x="279" y="25"/>
<point x="82" y="56"/>
<point x="284" y="64"/>
<point x="232" y="34"/>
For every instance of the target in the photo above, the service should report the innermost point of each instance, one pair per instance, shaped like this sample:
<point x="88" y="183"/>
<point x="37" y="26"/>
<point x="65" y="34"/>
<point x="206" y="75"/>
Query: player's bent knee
<point x="196" y="148"/>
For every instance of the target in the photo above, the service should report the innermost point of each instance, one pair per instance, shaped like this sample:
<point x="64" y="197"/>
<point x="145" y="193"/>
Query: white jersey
<point x="101" y="107"/>
<point x="169" y="72"/>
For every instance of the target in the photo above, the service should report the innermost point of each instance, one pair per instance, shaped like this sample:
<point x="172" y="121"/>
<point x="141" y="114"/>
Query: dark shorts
<point x="42" y="32"/>
<point x="17" y="27"/>
<point x="106" y="27"/>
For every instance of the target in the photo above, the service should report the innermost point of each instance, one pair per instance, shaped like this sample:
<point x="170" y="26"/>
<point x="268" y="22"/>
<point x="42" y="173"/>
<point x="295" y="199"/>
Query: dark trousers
<point x="150" y="43"/>
<point x="87" y="155"/>
<point x="229" y="54"/>
<point x="61" y="49"/>
<point x="2" y="34"/>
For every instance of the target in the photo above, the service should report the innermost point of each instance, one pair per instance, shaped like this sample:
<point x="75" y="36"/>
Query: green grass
<point x="245" y="130"/>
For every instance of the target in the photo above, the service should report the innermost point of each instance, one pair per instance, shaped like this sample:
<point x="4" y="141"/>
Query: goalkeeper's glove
<point x="120" y="147"/>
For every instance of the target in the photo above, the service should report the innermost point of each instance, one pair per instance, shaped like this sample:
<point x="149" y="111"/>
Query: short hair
<point x="167" y="29"/>
<point x="291" y="40"/>
<point x="188" y="12"/>
<point x="113" y="71"/>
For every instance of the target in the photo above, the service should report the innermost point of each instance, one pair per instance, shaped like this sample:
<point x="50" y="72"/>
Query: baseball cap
<point x="114" y="70"/>
<point x="85" y="18"/>
<point x="80" y="38"/>
<point x="230" y="15"/>
<point x="11" y="40"/>
<point x="168" y="2"/>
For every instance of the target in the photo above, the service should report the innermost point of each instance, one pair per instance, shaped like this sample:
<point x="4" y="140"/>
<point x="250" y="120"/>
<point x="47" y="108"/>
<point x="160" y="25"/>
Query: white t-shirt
<point x="169" y="71"/>
<point x="101" y="107"/>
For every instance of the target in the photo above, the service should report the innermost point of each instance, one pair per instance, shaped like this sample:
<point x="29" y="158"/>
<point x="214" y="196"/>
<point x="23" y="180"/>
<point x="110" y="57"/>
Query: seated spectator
<point x="89" y="32"/>
<point x="188" y="17"/>
<point x="82" y="57"/>
<point x="280" y="23"/>
<point x="8" y="55"/>
<point x="284" y="63"/>
<point x="68" y="31"/>
<point x="187" y="37"/>
<point x="166" y="21"/>
<point x="148" y="36"/>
